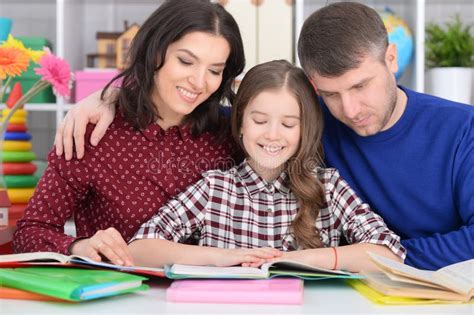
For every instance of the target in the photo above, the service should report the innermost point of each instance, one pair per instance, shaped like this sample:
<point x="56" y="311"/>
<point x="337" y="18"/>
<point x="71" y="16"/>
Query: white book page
<point x="38" y="256"/>
<point x="459" y="276"/>
<point x="297" y="266"/>
<point x="216" y="271"/>
<point x="402" y="269"/>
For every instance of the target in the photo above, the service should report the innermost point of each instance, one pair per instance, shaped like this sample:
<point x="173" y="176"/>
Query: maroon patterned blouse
<point x="120" y="183"/>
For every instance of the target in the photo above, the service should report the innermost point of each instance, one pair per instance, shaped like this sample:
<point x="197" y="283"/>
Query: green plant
<point x="451" y="46"/>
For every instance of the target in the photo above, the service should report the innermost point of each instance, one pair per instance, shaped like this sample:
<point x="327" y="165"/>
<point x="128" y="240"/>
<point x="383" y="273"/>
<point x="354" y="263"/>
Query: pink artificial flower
<point x="56" y="71"/>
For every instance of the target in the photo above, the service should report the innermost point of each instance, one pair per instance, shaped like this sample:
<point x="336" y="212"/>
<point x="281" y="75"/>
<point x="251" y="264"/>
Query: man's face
<point x="364" y="98"/>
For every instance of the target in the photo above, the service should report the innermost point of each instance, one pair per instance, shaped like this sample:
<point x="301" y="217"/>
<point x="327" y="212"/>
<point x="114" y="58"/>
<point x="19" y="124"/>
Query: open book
<point x="50" y="258"/>
<point x="283" y="268"/>
<point x="452" y="283"/>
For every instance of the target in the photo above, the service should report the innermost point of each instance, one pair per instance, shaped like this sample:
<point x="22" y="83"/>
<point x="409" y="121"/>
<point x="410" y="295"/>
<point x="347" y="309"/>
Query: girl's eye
<point x="259" y="122"/>
<point x="184" y="62"/>
<point x="359" y="86"/>
<point x="288" y="126"/>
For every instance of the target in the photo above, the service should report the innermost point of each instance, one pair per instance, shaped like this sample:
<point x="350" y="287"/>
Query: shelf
<point x="48" y="107"/>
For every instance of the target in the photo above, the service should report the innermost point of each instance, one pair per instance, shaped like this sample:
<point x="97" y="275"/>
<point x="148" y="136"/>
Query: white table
<point x="321" y="297"/>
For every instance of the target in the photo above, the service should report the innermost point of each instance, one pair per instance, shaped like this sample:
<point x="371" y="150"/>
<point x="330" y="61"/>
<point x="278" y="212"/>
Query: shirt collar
<point x="153" y="132"/>
<point x="255" y="184"/>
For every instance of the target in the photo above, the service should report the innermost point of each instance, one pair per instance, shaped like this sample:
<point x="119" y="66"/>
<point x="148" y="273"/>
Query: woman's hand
<point x="108" y="243"/>
<point x="71" y="131"/>
<point x="251" y="257"/>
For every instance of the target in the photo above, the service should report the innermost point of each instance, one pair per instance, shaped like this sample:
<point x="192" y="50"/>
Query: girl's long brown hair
<point x="303" y="180"/>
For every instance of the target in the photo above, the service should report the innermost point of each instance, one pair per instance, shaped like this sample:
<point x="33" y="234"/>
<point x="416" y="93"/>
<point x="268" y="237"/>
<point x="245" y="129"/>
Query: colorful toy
<point x="20" y="195"/>
<point x="17" y="155"/>
<point x="21" y="181"/>
<point x="13" y="136"/>
<point x="19" y="168"/>
<point x="12" y="156"/>
<point x="17" y="146"/>
<point x="17" y="127"/>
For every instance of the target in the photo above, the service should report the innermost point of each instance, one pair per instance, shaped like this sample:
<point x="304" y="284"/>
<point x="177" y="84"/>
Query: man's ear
<point x="314" y="86"/>
<point x="391" y="58"/>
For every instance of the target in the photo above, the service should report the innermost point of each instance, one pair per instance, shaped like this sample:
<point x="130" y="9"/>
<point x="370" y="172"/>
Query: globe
<point x="399" y="34"/>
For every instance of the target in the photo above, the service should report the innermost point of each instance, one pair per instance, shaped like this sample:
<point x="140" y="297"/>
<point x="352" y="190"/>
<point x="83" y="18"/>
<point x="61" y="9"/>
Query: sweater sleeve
<point x="63" y="185"/>
<point x="439" y="250"/>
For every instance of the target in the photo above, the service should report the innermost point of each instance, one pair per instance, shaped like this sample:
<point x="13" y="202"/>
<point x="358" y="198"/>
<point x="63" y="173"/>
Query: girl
<point x="279" y="202"/>
<point x="182" y="64"/>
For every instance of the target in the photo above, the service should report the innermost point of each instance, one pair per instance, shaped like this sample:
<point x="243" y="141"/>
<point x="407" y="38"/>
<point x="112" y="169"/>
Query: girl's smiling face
<point x="271" y="131"/>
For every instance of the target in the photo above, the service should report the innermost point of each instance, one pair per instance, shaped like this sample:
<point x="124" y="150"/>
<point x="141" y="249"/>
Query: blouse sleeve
<point x="359" y="223"/>
<point x="61" y="188"/>
<point x="180" y="217"/>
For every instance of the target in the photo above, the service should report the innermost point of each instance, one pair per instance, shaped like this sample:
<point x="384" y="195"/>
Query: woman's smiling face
<point x="191" y="73"/>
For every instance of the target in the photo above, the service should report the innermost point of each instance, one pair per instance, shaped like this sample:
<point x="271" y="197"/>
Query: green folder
<point x="71" y="284"/>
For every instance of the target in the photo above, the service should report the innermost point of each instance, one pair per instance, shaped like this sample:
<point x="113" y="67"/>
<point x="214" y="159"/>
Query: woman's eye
<point x="215" y="72"/>
<point x="184" y="62"/>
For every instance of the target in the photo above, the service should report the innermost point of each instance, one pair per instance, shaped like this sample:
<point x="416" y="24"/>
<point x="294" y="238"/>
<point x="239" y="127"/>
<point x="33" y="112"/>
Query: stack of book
<point x="46" y="276"/>
<point x="451" y="284"/>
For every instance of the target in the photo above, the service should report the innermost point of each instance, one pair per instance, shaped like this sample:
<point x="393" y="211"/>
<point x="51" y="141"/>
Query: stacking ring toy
<point x="17" y="127"/>
<point x="19" y="168"/>
<point x="11" y="156"/>
<point x="21" y="181"/>
<point x="20" y="195"/>
<point x="17" y="146"/>
<point x="16" y="120"/>
<point x="22" y="136"/>
<point x="19" y="112"/>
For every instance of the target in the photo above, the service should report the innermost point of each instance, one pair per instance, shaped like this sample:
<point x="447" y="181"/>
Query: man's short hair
<point x="337" y="37"/>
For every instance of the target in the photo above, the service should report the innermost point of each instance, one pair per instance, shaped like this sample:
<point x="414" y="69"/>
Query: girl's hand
<point x="108" y="243"/>
<point x="316" y="257"/>
<point x="246" y="257"/>
<point x="70" y="133"/>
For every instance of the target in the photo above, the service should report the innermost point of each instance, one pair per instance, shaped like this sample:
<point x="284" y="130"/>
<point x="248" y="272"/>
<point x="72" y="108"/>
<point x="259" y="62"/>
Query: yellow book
<point x="383" y="299"/>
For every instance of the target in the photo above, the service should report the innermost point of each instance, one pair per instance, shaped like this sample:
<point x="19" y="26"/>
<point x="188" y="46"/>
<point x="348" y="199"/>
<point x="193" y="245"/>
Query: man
<point x="409" y="155"/>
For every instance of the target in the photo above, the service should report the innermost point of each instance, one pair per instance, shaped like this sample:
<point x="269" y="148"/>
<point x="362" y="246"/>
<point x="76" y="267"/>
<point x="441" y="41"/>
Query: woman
<point x="182" y="65"/>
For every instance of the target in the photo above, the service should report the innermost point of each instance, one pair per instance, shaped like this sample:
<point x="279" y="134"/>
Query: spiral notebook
<point x="269" y="291"/>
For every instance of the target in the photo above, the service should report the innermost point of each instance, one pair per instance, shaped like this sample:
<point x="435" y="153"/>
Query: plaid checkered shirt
<point x="239" y="209"/>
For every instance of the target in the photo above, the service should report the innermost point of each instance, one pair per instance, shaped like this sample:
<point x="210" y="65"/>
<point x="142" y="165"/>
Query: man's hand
<point x="70" y="133"/>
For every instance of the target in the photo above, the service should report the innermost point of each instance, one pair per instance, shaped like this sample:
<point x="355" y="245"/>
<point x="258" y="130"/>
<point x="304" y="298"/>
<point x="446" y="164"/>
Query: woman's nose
<point x="197" y="79"/>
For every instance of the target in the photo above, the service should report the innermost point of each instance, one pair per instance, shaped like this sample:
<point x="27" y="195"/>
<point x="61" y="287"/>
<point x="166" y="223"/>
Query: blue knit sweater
<point x="418" y="175"/>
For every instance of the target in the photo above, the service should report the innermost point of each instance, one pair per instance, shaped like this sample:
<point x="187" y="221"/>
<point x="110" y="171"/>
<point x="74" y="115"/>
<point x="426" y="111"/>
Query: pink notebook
<point x="269" y="291"/>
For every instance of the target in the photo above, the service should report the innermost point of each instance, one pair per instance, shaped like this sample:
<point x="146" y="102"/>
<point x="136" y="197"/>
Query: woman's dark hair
<point x="168" y="24"/>
<point x="303" y="181"/>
